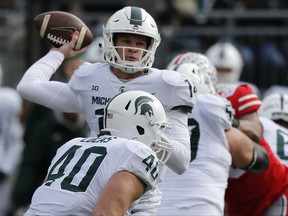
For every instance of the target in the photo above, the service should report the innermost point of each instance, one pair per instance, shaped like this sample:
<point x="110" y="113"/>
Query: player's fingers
<point x="74" y="37"/>
<point x="68" y="48"/>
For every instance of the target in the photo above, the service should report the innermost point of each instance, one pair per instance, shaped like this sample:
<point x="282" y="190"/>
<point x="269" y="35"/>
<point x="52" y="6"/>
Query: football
<point x="57" y="28"/>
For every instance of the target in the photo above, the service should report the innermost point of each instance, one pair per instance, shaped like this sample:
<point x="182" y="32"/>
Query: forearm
<point x="251" y="125"/>
<point x="36" y="86"/>
<point x="246" y="154"/>
<point x="119" y="193"/>
<point x="40" y="71"/>
<point x="181" y="152"/>
<point x="253" y="130"/>
<point x="260" y="160"/>
<point x="180" y="158"/>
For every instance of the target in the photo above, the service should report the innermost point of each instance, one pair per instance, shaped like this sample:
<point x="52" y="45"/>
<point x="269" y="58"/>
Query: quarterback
<point x="131" y="38"/>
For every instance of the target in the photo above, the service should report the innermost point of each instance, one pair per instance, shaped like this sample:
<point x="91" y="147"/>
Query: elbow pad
<point x="260" y="160"/>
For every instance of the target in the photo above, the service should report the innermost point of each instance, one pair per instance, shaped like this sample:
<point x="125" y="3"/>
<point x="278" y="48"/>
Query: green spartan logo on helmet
<point x="143" y="103"/>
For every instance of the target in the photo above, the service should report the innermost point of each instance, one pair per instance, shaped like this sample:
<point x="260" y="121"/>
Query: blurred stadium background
<point x="259" y="28"/>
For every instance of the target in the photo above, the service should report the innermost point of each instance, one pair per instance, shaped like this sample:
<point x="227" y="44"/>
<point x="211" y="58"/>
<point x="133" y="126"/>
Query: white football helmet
<point x="224" y="55"/>
<point x="199" y="70"/>
<point x="275" y="107"/>
<point x="140" y="116"/>
<point x="202" y="82"/>
<point x="131" y="20"/>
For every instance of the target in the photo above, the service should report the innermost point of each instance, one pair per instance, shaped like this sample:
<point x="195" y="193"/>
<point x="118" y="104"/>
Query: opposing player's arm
<point x="121" y="190"/>
<point x="250" y="125"/>
<point x="246" y="154"/>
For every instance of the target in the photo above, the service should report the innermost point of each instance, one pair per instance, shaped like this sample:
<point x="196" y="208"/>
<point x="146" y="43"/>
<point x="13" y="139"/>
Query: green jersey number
<point x="194" y="137"/>
<point x="152" y="166"/>
<point x="192" y="89"/>
<point x="66" y="158"/>
<point x="100" y="112"/>
<point x="281" y="143"/>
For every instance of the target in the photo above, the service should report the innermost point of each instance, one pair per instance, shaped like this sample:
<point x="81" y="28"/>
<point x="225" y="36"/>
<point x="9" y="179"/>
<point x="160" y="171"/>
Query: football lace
<point x="56" y="39"/>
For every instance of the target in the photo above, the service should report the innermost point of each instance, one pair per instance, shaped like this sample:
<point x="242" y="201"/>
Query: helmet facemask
<point x="155" y="138"/>
<point x="112" y="56"/>
<point x="131" y="20"/>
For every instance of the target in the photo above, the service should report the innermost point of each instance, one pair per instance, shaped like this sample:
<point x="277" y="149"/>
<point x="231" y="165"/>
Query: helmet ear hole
<point x="140" y="130"/>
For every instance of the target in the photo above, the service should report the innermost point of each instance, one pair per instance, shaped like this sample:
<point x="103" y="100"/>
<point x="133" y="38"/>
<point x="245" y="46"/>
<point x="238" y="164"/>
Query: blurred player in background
<point x="274" y="117"/>
<point x="229" y="63"/>
<point x="11" y="141"/>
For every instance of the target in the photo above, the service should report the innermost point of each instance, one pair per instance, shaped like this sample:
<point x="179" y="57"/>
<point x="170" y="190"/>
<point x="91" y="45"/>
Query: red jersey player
<point x="254" y="194"/>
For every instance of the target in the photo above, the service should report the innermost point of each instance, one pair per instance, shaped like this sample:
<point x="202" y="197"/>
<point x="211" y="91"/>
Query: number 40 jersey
<point x="82" y="167"/>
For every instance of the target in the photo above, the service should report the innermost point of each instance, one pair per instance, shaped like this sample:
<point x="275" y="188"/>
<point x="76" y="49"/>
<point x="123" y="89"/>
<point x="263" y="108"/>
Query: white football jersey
<point x="93" y="85"/>
<point x="82" y="167"/>
<point x="277" y="138"/>
<point x="200" y="190"/>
